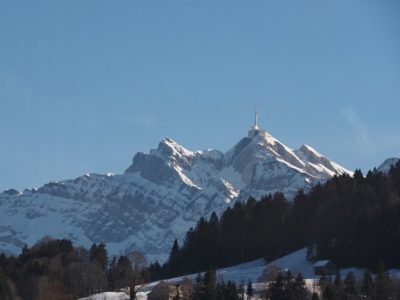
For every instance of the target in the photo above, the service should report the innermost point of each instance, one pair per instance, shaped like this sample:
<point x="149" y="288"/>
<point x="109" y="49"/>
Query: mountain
<point x="387" y="164"/>
<point x="159" y="196"/>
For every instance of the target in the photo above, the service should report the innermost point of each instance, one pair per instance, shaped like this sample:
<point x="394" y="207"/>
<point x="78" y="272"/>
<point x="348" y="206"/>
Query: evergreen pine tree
<point x="155" y="271"/>
<point x="231" y="291"/>
<point x="241" y="289"/>
<point x="173" y="260"/>
<point x="324" y="280"/>
<point x="99" y="254"/>
<point x="339" y="287"/>
<point x="368" y="286"/>
<point x="24" y="253"/>
<point x="382" y="283"/>
<point x="327" y="287"/>
<point x="102" y="256"/>
<point x="221" y="291"/>
<point x="210" y="285"/>
<point x="112" y="273"/>
<point x="277" y="288"/>
<point x="250" y="290"/>
<point x="93" y="251"/>
<point x="299" y="288"/>
<point x="350" y="286"/>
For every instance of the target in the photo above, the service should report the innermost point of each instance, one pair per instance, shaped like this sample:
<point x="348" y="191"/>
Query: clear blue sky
<point x="84" y="85"/>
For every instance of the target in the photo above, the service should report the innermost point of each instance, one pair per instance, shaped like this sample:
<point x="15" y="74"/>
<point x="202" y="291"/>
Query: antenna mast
<point x="255" y="130"/>
<point x="256" y="117"/>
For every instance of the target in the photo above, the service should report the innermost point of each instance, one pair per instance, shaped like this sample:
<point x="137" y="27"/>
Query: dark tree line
<point x="285" y="286"/>
<point x="208" y="288"/>
<point x="54" y="269"/>
<point x="370" y="287"/>
<point x="354" y="221"/>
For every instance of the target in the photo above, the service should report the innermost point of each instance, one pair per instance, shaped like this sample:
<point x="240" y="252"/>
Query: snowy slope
<point x="159" y="196"/>
<point x="296" y="262"/>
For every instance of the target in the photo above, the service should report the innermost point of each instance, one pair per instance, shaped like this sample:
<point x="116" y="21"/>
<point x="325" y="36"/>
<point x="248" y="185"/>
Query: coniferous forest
<point x="354" y="221"/>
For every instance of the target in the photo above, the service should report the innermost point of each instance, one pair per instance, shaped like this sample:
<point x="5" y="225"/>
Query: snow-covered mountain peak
<point x="320" y="163"/>
<point x="260" y="146"/>
<point x="266" y="164"/>
<point x="160" y="195"/>
<point x="169" y="148"/>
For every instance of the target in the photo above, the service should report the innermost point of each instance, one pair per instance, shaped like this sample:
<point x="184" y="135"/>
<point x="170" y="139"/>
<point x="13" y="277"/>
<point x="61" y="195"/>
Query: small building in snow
<point x="163" y="291"/>
<point x="168" y="291"/>
<point x="324" y="267"/>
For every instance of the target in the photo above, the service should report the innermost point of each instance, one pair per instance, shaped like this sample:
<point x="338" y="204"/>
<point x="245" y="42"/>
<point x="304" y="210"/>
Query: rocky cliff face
<point x="159" y="196"/>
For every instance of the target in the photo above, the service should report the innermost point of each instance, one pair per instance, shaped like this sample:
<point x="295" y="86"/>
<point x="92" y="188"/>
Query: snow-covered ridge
<point x="159" y="196"/>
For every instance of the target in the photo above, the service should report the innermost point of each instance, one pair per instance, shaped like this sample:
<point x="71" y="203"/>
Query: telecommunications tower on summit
<point x="255" y="126"/>
<point x="255" y="130"/>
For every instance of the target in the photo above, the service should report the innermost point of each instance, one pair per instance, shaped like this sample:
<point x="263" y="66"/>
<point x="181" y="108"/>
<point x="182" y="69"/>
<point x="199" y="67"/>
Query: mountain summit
<point x="160" y="195"/>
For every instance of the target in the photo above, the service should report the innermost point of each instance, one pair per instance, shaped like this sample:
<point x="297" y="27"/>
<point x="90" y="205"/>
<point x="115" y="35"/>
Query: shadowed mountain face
<point x="387" y="164"/>
<point x="159" y="196"/>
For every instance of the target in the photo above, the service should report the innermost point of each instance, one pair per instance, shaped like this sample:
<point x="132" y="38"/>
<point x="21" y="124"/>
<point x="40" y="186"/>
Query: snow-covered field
<point x="296" y="262"/>
<point x="108" y="296"/>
